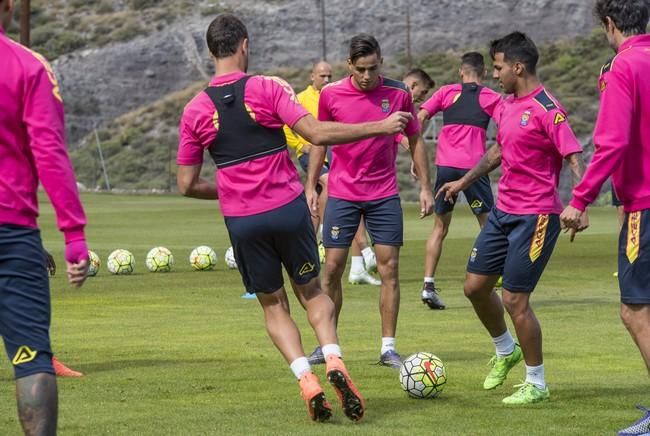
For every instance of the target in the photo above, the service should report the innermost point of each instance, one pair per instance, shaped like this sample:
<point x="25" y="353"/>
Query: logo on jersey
<point x="539" y="236"/>
<point x="335" y="232"/>
<point x="559" y="118"/>
<point x="23" y="355"/>
<point x="307" y="268"/>
<point x="385" y="105"/>
<point x="525" y="117"/>
<point x="476" y="204"/>
<point x="215" y="120"/>
<point x="633" y="234"/>
<point x="603" y="84"/>
<point x="472" y="257"/>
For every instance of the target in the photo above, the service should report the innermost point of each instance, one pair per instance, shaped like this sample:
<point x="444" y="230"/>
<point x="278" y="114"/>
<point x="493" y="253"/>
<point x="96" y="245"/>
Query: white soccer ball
<point x="203" y="258"/>
<point x="423" y="375"/>
<point x="159" y="259"/>
<point x="120" y="262"/>
<point x="229" y="257"/>
<point x="93" y="263"/>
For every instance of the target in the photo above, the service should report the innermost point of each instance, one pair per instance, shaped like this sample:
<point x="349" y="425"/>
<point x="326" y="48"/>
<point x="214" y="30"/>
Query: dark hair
<point x="224" y="35"/>
<point x="422" y="76"/>
<point x="516" y="47"/>
<point x="629" y="16"/>
<point x="362" y="45"/>
<point x="474" y="60"/>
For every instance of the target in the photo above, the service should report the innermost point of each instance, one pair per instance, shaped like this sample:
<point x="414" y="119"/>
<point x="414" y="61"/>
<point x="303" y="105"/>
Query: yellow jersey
<point x="309" y="99"/>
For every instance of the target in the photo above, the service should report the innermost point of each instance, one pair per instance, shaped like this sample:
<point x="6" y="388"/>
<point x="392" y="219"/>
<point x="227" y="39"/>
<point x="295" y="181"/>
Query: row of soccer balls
<point x="159" y="259"/>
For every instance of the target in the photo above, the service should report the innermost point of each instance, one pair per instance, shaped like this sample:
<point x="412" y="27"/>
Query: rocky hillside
<point x="128" y="66"/>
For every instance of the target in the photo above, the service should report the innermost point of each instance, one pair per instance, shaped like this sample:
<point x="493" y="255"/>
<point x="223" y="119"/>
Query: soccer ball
<point x="423" y="375"/>
<point x="159" y="259"/>
<point x="229" y="257"/>
<point x="203" y="258"/>
<point x="120" y="262"/>
<point x="93" y="263"/>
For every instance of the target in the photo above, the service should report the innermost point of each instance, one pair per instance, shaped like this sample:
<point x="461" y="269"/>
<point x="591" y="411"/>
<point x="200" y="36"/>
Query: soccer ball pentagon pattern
<point x="229" y="257"/>
<point x="203" y="258"/>
<point x="159" y="259"/>
<point x="423" y="375"/>
<point x="93" y="263"/>
<point x="120" y="262"/>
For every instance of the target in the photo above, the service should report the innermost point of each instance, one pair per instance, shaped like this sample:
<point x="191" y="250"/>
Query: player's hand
<point x="312" y="201"/>
<point x="49" y="263"/>
<point x="450" y="190"/>
<point x="396" y="122"/>
<point x="573" y="220"/>
<point x="413" y="173"/>
<point x="77" y="272"/>
<point x="426" y="203"/>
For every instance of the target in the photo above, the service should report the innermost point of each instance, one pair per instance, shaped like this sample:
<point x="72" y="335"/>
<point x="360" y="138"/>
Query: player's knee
<point x="333" y="270"/>
<point x="388" y="268"/>
<point x="627" y="316"/>
<point x="515" y="304"/>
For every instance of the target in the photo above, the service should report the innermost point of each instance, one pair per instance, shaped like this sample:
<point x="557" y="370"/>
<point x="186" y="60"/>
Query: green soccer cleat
<point x="501" y="366"/>
<point x="528" y="393"/>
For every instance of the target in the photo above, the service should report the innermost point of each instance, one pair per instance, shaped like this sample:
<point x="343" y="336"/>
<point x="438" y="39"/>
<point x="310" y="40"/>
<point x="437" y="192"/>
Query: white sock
<point x="300" y="367"/>
<point x="535" y="376"/>
<point x="331" y="349"/>
<point x="357" y="266"/>
<point x="387" y="344"/>
<point x="367" y="252"/>
<point x="505" y="344"/>
<point x="429" y="280"/>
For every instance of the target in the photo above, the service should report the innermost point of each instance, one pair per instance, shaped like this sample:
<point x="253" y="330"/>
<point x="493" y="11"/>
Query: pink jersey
<point x="365" y="170"/>
<point x="32" y="143"/>
<point x="622" y="132"/>
<point x="535" y="136"/>
<point x="257" y="185"/>
<point x="460" y="145"/>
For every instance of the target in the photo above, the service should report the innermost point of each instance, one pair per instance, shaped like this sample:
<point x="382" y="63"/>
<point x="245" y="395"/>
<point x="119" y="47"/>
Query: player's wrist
<point x="578" y="204"/>
<point x="72" y="235"/>
<point x="76" y="251"/>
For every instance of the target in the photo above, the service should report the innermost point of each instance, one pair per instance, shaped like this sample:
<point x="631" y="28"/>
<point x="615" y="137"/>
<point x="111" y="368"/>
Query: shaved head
<point x="321" y="75"/>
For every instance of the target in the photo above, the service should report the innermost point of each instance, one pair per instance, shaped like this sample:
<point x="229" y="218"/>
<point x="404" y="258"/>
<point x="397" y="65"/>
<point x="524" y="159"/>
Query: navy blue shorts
<point x="383" y="219"/>
<point x="517" y="247"/>
<point x="634" y="258"/>
<point x="478" y="194"/>
<point x="24" y="301"/>
<point x="264" y="242"/>
<point x="615" y="201"/>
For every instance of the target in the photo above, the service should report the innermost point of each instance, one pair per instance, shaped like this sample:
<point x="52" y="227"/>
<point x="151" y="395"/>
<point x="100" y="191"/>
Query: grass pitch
<point x="181" y="353"/>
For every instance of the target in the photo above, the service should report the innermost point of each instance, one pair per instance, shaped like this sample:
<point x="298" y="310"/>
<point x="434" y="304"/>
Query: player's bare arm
<point x="489" y="162"/>
<point x="329" y="133"/>
<point x="190" y="184"/>
<point x="571" y="218"/>
<point x="316" y="159"/>
<point x="418" y="150"/>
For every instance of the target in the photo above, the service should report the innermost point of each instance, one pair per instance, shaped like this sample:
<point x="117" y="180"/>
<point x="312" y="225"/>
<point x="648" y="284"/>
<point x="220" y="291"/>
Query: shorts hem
<point x="483" y="272"/>
<point x="517" y="289"/>
<point x="305" y="279"/>
<point x="35" y="371"/>
<point x="389" y="244"/>
<point x="636" y="301"/>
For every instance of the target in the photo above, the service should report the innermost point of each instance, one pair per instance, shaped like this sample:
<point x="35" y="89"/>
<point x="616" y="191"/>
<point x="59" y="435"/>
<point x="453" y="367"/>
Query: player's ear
<point x="244" y="45"/>
<point x="609" y="24"/>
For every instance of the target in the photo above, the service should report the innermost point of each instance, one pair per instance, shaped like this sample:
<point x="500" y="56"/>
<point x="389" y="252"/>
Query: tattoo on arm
<point x="491" y="160"/>
<point x="577" y="167"/>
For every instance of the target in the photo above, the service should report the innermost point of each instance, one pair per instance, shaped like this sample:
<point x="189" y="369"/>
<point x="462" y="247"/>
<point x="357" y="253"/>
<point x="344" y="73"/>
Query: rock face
<point x="101" y="84"/>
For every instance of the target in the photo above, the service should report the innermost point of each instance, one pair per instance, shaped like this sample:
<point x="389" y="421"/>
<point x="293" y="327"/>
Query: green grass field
<point x="181" y="353"/>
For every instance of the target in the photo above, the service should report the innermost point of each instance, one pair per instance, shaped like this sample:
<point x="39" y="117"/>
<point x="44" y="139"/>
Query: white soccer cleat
<point x="363" y="278"/>
<point x="370" y="261"/>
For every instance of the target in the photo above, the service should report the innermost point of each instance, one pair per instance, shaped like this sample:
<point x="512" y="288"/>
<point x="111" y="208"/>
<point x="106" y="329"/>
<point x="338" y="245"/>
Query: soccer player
<point x="622" y="142"/>
<point x="363" y="258"/>
<point x="533" y="139"/>
<point x="33" y="150"/>
<point x="419" y="83"/>
<point x="239" y="120"/>
<point x="363" y="183"/>
<point x="467" y="108"/>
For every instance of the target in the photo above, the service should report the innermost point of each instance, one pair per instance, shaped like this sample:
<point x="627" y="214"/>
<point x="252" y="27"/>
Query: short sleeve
<point x="556" y="126"/>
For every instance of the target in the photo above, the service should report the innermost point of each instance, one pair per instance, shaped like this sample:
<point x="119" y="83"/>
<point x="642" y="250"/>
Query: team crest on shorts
<point x="525" y="117"/>
<point x="335" y="232"/>
<point x="472" y="257"/>
<point x="23" y="355"/>
<point x="385" y="105"/>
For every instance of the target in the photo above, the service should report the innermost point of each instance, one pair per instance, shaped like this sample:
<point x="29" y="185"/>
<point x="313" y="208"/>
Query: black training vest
<point x="467" y="109"/>
<point x="239" y="138"/>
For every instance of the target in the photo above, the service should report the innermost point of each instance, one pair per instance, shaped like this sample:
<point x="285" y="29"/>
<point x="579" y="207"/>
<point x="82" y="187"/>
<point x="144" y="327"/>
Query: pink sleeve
<point x="611" y="137"/>
<point x="284" y="102"/>
<point x="324" y="113"/>
<point x="413" y="126"/>
<point x="489" y="100"/>
<point x="43" y="117"/>
<point x="557" y="128"/>
<point x="190" y="148"/>
<point x="434" y="104"/>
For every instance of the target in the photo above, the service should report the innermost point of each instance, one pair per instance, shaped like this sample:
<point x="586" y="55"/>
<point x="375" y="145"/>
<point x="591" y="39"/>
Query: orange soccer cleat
<point x="349" y="396"/>
<point x="63" y="371"/>
<point x="319" y="409"/>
